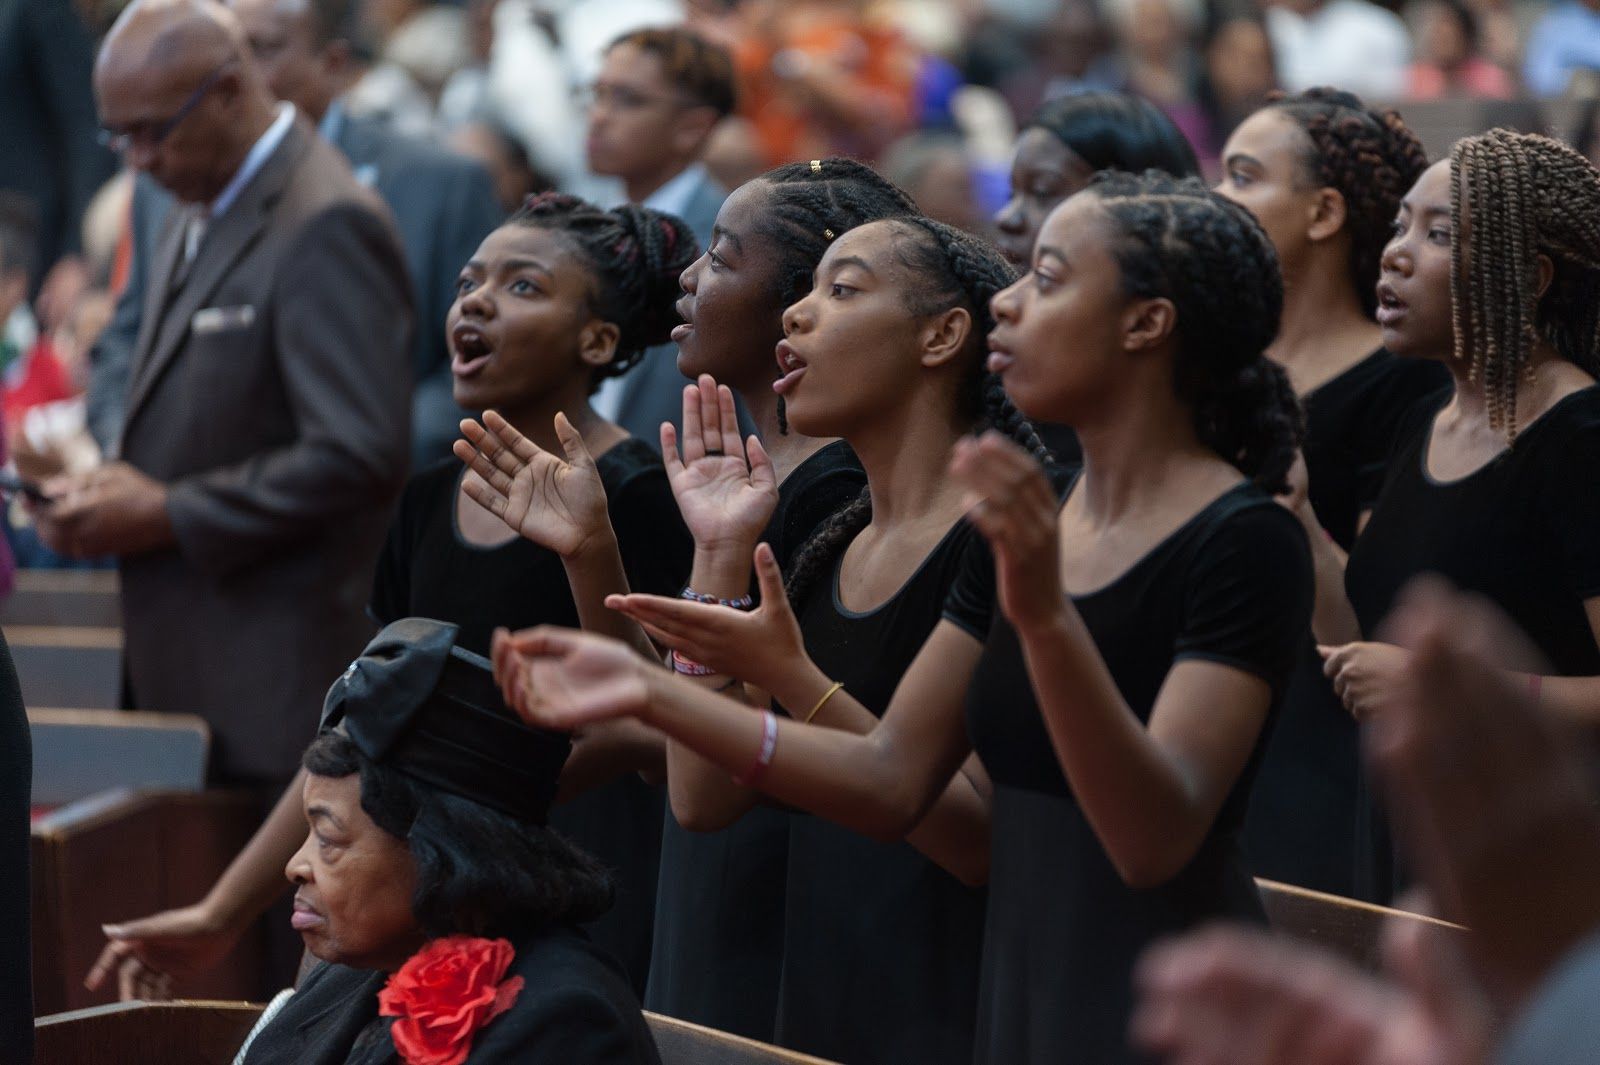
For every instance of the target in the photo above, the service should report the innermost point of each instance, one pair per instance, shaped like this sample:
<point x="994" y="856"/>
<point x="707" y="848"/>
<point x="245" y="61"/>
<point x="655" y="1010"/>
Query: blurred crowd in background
<point x="932" y="92"/>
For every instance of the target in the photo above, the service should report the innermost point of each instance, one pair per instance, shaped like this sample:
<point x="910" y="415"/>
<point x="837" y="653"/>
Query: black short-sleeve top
<point x="1231" y="585"/>
<point x="427" y="570"/>
<point x="1523" y="530"/>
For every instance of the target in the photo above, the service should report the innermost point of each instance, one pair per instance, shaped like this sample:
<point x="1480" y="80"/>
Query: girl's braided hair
<point x="1176" y="239"/>
<point x="1371" y="157"/>
<point x="1522" y="196"/>
<point x="949" y="268"/>
<point x="636" y="255"/>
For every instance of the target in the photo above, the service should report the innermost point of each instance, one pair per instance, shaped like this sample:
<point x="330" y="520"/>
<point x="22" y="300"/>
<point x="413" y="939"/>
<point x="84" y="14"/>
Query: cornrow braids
<point x="1524" y="196"/>
<point x="1178" y="240"/>
<point x="949" y="268"/>
<point x="1371" y="157"/>
<point x="810" y="204"/>
<point x="636" y="254"/>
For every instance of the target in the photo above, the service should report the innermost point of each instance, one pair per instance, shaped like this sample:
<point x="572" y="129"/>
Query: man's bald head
<point x="162" y="57"/>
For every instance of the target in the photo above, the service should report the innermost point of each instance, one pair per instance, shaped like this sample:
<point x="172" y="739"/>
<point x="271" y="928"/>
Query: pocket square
<point x="219" y="319"/>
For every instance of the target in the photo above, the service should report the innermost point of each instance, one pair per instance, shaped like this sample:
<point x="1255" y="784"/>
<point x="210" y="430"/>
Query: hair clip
<point x="816" y="166"/>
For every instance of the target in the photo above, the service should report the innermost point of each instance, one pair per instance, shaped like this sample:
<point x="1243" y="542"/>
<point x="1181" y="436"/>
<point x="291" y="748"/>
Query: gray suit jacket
<point x="653" y="390"/>
<point x="270" y="393"/>
<point x="442" y="203"/>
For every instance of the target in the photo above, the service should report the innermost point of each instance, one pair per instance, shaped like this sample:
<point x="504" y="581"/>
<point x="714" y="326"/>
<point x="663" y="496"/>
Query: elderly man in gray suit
<point x="443" y="205"/>
<point x="659" y="95"/>
<point x="266" y="428"/>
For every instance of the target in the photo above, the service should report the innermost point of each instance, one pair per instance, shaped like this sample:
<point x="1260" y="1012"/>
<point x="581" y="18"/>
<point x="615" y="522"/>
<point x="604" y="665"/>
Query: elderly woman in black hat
<point x="442" y="909"/>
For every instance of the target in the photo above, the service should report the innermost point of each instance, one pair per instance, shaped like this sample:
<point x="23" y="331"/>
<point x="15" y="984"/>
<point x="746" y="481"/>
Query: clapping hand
<point x="756" y="646"/>
<point x="563" y="679"/>
<point x="1011" y="502"/>
<point x="560" y="505"/>
<point x="725" y="487"/>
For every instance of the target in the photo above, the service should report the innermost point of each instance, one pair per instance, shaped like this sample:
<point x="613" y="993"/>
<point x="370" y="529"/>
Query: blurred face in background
<point x="1442" y="37"/>
<point x="638" y="118"/>
<point x="1240" y="65"/>
<point x="298" y="65"/>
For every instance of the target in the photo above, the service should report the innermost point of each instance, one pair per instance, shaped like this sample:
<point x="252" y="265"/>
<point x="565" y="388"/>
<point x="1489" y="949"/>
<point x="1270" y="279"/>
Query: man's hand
<point x="112" y="510"/>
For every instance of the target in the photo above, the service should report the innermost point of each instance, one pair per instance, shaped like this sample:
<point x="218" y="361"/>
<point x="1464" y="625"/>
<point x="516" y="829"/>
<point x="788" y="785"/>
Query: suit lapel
<point x="168" y="314"/>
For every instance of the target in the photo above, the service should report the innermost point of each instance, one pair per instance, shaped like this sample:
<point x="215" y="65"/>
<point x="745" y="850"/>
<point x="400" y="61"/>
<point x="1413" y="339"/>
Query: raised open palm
<point x="564" y="679"/>
<point x="558" y="504"/>
<point x="726" y="499"/>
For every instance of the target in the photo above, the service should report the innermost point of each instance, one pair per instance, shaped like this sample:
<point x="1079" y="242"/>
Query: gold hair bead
<point x="828" y="233"/>
<point x="816" y="166"/>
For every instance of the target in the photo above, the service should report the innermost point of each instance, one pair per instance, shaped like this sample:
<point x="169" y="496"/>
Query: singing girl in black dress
<point x="1145" y="628"/>
<point x="1324" y="174"/>
<point x="1494" y="271"/>
<point x="561" y="296"/>
<point x="720" y="897"/>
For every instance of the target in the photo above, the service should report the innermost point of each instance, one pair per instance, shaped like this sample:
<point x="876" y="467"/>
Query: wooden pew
<point x="209" y="1033"/>
<point x="1346" y="927"/>
<point x="79" y="753"/>
<point x="71" y="597"/>
<point x="79" y="666"/>
<point x="124" y="854"/>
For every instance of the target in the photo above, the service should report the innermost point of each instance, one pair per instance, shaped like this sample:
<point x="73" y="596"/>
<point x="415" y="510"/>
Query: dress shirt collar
<point x="257" y="158"/>
<point x="674" y="196"/>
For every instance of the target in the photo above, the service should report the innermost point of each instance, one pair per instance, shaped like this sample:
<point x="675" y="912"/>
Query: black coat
<point x="575" y="1008"/>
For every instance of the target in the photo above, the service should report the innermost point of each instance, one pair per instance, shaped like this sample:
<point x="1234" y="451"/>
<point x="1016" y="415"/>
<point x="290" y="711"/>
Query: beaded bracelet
<point x="688" y="667"/>
<point x="769" y="747"/>
<point x="744" y="602"/>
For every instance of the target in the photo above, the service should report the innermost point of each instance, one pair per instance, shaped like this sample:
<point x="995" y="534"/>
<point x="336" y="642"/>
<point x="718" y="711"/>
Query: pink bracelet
<point x="688" y="667"/>
<point x="769" y="747"/>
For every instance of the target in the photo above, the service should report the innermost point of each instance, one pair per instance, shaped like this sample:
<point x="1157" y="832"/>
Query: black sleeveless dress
<point x="720" y="897"/>
<point x="1232" y="585"/>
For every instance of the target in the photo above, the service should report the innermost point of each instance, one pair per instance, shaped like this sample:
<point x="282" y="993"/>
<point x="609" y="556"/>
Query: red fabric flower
<point x="444" y="994"/>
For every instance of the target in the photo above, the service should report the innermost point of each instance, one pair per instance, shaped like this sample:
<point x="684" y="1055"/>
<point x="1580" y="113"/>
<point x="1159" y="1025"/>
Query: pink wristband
<point x="688" y="667"/>
<point x="769" y="747"/>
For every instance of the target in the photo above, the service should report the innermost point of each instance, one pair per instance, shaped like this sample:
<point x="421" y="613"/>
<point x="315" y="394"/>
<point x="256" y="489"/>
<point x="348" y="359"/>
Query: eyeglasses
<point x="622" y="98"/>
<point x="151" y="134"/>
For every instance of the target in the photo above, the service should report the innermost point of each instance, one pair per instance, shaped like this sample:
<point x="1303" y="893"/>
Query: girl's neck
<point x="906" y="456"/>
<point x="787" y="450"/>
<point x="1553" y="378"/>
<point x="1325" y="330"/>
<point x="1140" y="452"/>
<point x="536" y="420"/>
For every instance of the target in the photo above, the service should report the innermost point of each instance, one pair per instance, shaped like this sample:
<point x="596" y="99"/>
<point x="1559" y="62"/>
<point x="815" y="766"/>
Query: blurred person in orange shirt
<point x="824" y="77"/>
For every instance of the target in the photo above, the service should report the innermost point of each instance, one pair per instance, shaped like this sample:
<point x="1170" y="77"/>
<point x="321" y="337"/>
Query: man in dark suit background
<point x="48" y="147"/>
<point x="659" y="95"/>
<point x="266" y="429"/>
<point x="442" y="203"/>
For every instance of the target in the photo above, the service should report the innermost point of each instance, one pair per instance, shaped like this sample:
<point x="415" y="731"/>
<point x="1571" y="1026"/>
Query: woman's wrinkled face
<point x="851" y="345"/>
<point x="1044" y="172"/>
<point x="1264" y="171"/>
<point x="730" y="312"/>
<point x="1414" y="282"/>
<point x="353" y="881"/>
<point x="522" y="325"/>
<point x="1057" y="340"/>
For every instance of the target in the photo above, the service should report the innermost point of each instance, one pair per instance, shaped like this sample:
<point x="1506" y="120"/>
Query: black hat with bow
<point x="416" y="702"/>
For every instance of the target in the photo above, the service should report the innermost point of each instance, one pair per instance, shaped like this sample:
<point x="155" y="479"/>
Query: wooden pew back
<point x="79" y="753"/>
<point x="126" y="854"/>
<point x="210" y="1033"/>
<point x="72" y="597"/>
<point x="1349" y="928"/>
<point x="78" y="666"/>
